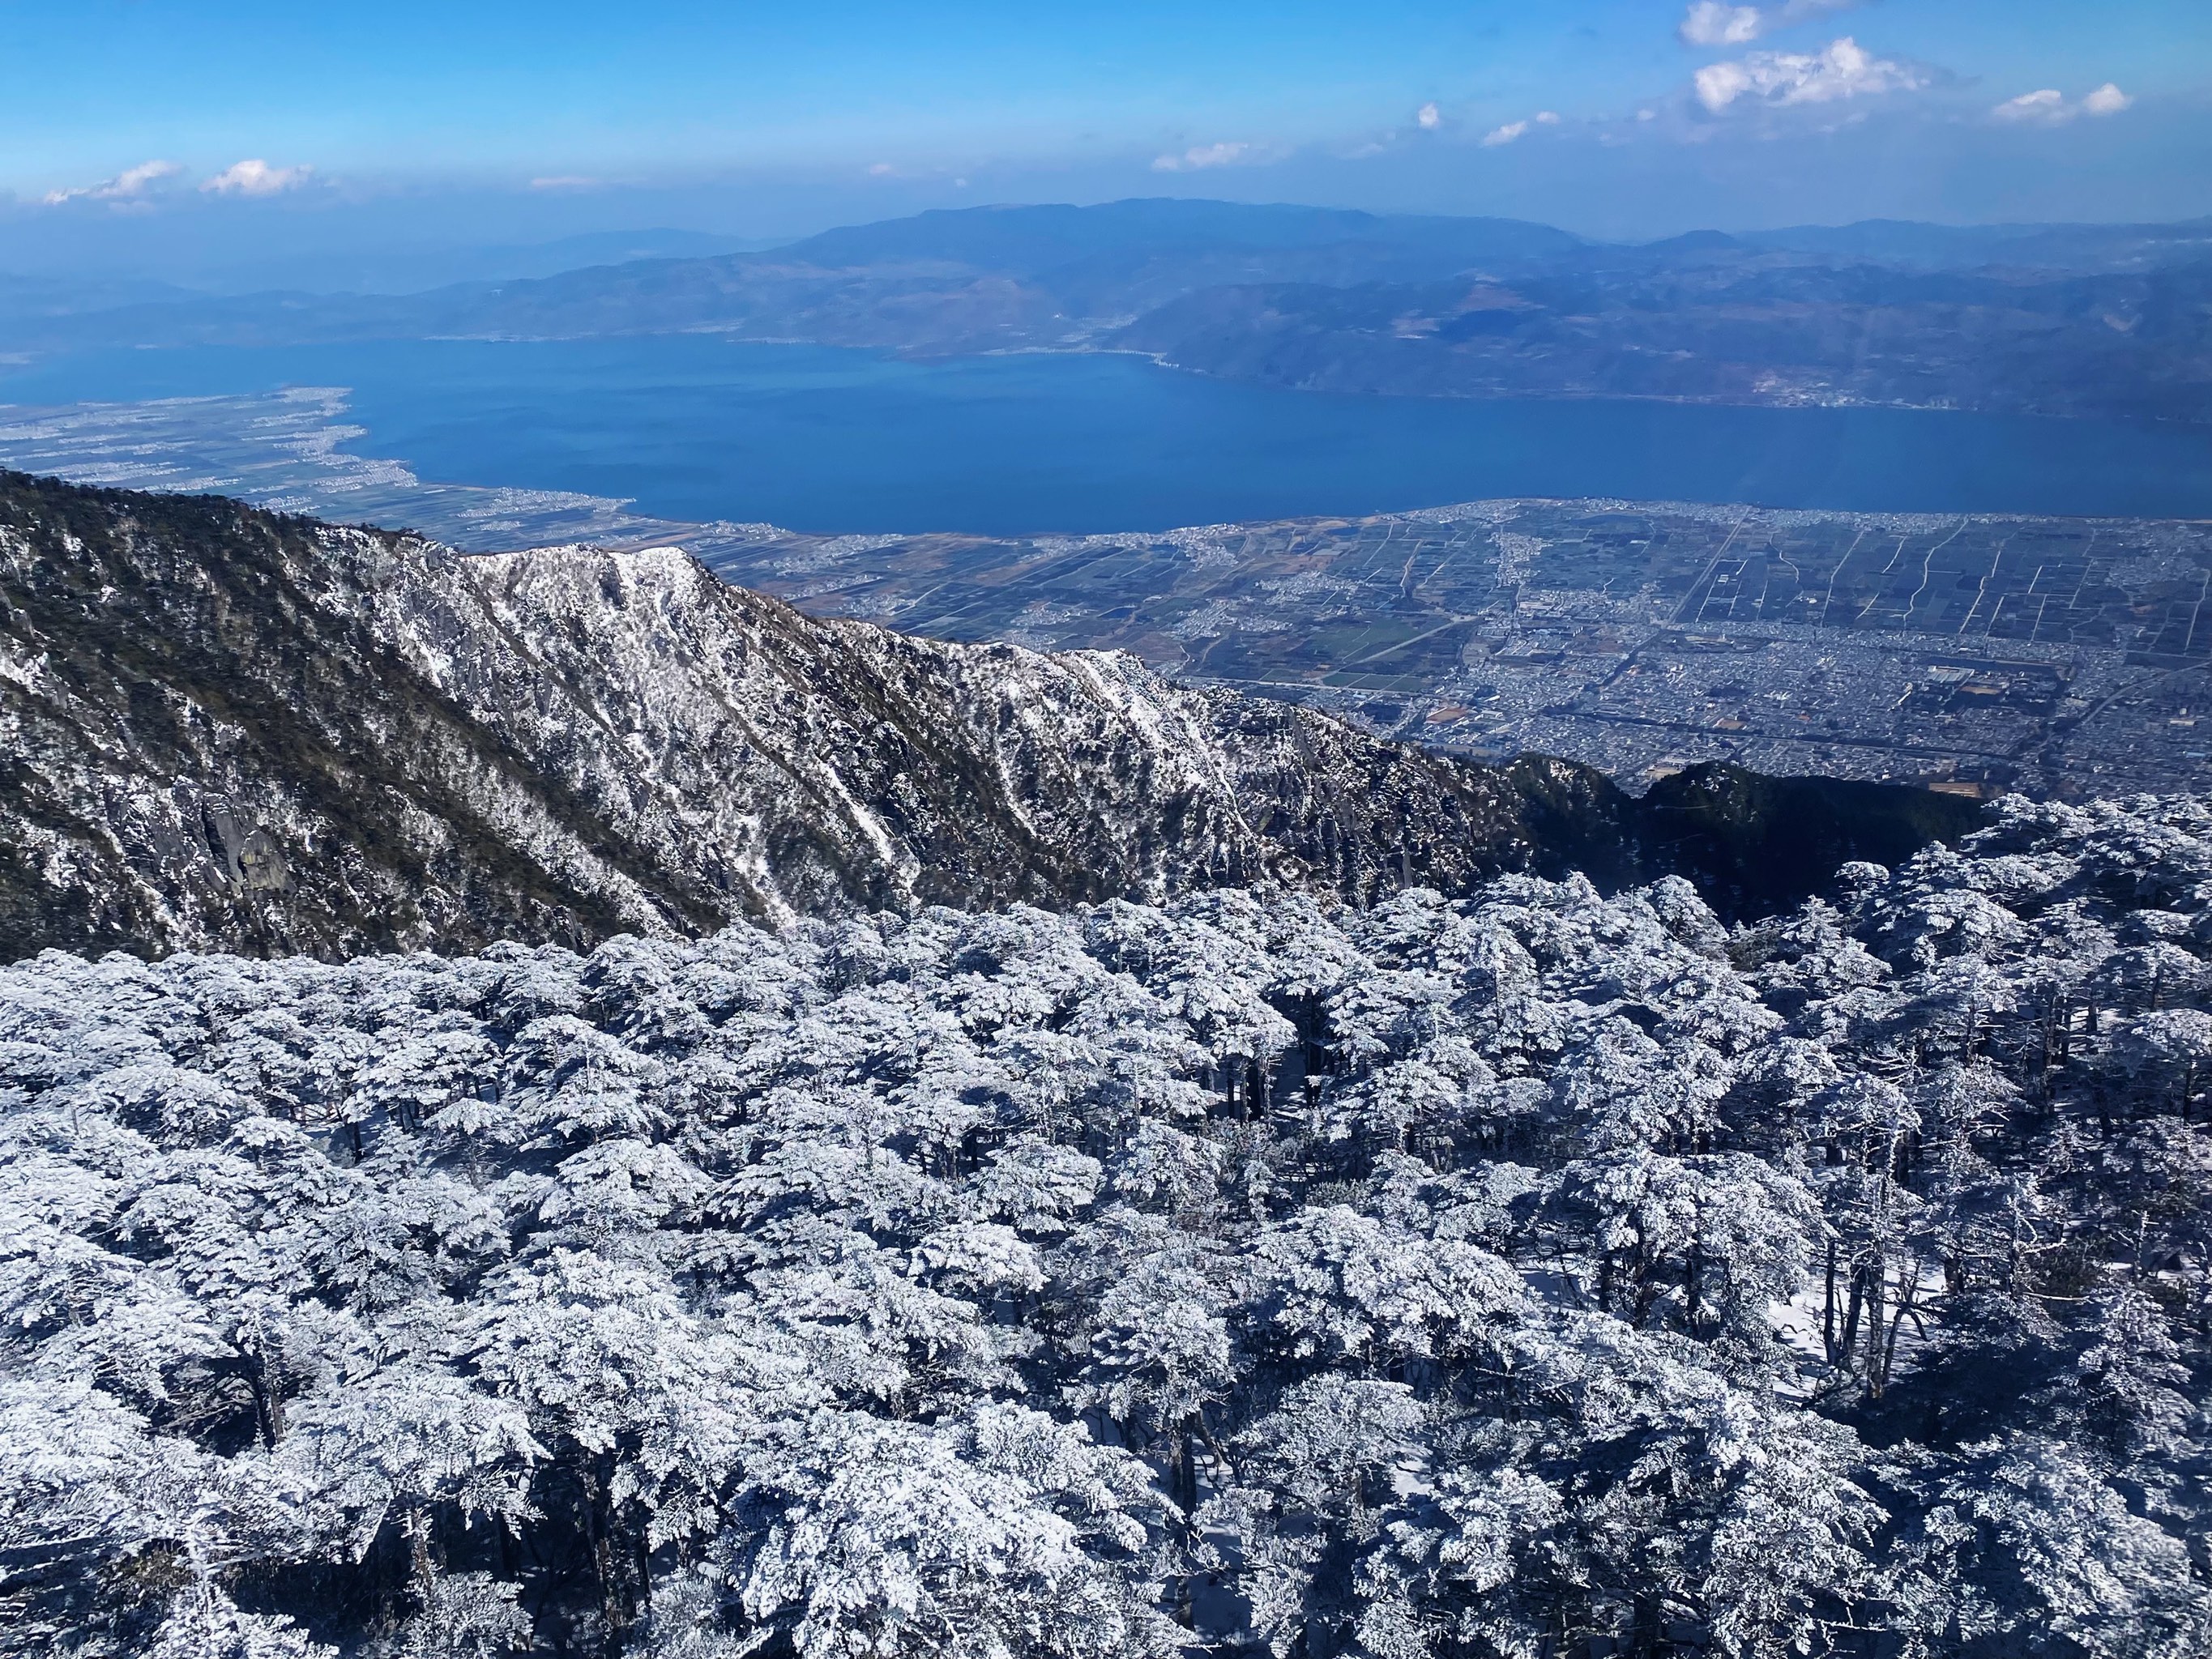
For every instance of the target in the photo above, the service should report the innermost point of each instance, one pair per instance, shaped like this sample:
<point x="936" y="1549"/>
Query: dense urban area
<point x="2062" y="656"/>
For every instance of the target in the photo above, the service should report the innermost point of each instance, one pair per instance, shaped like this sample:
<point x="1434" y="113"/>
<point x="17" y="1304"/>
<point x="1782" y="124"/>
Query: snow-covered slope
<point x="219" y="726"/>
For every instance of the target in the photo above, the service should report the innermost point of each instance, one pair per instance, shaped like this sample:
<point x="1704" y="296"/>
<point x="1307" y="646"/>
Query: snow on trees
<point x="1538" y="1274"/>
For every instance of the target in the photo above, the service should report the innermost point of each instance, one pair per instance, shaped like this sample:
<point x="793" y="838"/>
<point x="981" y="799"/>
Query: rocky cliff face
<point x="219" y="726"/>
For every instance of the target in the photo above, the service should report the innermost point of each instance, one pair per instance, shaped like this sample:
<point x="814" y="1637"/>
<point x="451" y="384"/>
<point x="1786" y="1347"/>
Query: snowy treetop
<point x="1533" y="1273"/>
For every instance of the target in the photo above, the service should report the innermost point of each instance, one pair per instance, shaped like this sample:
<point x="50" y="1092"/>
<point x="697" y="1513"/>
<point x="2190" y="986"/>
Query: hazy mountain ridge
<point x="2053" y="320"/>
<point x="228" y="726"/>
<point x="1741" y="328"/>
<point x="945" y="281"/>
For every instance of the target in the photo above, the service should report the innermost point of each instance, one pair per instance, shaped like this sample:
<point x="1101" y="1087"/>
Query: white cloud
<point x="1842" y="68"/>
<point x="1513" y="129"/>
<point x="1711" y="23"/>
<point x="255" y="178"/>
<point x="2047" y="106"/>
<point x="1429" y="117"/>
<point x="563" y="181"/>
<point x="1200" y="156"/>
<point x="132" y="184"/>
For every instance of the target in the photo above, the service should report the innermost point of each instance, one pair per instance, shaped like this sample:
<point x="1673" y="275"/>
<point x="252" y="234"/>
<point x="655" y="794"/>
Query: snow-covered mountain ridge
<point x="227" y="725"/>
<point x="220" y="726"/>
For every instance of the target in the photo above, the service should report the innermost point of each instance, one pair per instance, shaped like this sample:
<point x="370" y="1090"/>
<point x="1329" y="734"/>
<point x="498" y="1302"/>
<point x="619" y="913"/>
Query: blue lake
<point x="816" y="438"/>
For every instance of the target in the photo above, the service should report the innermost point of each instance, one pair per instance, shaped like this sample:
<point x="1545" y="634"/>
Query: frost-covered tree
<point x="1534" y="1274"/>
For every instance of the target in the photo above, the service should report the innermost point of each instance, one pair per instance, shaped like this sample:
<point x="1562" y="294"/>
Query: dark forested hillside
<point x="1530" y="1275"/>
<point x="222" y="727"/>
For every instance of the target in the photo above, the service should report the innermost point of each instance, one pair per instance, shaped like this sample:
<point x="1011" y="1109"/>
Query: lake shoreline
<point x="846" y="441"/>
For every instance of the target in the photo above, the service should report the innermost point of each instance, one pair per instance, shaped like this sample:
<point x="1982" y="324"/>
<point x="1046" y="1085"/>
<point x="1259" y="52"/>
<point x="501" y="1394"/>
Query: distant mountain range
<point x="2065" y="320"/>
<point x="224" y="727"/>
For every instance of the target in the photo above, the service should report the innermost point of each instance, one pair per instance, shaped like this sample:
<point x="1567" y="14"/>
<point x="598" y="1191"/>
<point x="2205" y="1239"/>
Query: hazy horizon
<point x="137" y="141"/>
<point x="369" y="263"/>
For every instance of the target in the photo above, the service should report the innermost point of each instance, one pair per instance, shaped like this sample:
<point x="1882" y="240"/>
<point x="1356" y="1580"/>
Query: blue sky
<point x="150" y="123"/>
